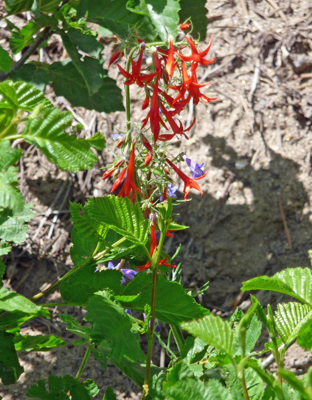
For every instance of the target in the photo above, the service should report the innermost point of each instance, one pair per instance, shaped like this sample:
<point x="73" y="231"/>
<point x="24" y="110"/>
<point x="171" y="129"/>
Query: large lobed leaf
<point x="68" y="82"/>
<point x="110" y="322"/>
<point x="289" y="319"/>
<point x="197" y="11"/>
<point x="295" y="282"/>
<point x="47" y="133"/>
<point x="213" y="331"/>
<point x="12" y="226"/>
<point x="173" y="304"/>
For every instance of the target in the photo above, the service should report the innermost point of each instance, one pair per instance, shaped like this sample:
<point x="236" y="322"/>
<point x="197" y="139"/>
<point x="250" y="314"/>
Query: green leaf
<point x="91" y="387"/>
<point x="120" y="215"/>
<point x="97" y="141"/>
<point x="109" y="395"/>
<point x="74" y="326"/>
<point x="173" y="304"/>
<point x="197" y="11"/>
<point x="115" y="17"/>
<point x="18" y="6"/>
<point x="173" y="226"/>
<point x="163" y="14"/>
<point x="34" y="73"/>
<point x="47" y="132"/>
<point x="21" y="38"/>
<point x="295" y="282"/>
<point x="15" y="319"/>
<point x="90" y="69"/>
<point x="67" y="82"/>
<point x="84" y="283"/>
<point x="305" y="336"/>
<point x="12" y="226"/>
<point x="292" y="379"/>
<point x="213" y="331"/>
<point x="86" y="43"/>
<point x="289" y="318"/>
<point x="46" y="6"/>
<point x="37" y="343"/>
<point x="110" y="322"/>
<point x="5" y="60"/>
<point x="10" y="369"/>
<point x="21" y="95"/>
<point x="59" y="387"/>
<point x="11" y="301"/>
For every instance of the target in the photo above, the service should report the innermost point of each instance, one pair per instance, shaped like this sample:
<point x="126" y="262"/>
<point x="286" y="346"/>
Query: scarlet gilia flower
<point x="196" y="57"/>
<point x="191" y="85"/>
<point x="135" y="77"/>
<point x="129" y="188"/>
<point x="177" y="130"/>
<point x="185" y="26"/>
<point x="110" y="171"/>
<point x="145" y="103"/>
<point x="170" y="64"/>
<point x="153" y="247"/>
<point x="116" y="55"/>
<point x="188" y="182"/>
<point x="154" y="116"/>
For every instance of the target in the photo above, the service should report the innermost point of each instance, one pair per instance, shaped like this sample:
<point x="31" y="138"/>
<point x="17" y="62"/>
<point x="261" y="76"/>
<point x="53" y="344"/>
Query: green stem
<point x="128" y="111"/>
<point x="245" y="391"/>
<point x="150" y="336"/>
<point x="178" y="336"/>
<point x="83" y="363"/>
<point x="74" y="270"/>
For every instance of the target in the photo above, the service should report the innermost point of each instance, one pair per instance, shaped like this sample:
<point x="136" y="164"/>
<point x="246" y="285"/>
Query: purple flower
<point x="170" y="191"/>
<point x="128" y="273"/>
<point x="128" y="311"/>
<point x="196" y="168"/>
<point x="117" y="136"/>
<point x="156" y="326"/>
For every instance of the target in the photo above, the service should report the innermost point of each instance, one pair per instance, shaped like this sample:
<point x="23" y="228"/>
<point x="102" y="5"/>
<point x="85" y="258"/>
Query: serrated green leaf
<point x="28" y="97"/>
<point x="305" y="336"/>
<point x="21" y="38"/>
<point x="15" y="319"/>
<point x="18" y="6"/>
<point x="197" y="11"/>
<point x="5" y="248"/>
<point x="33" y="73"/>
<point x="8" y="156"/>
<point x="111" y="323"/>
<point x="11" y="301"/>
<point x="97" y="141"/>
<point x="213" y="331"/>
<point x="173" y="304"/>
<point x="84" y="283"/>
<point x="289" y="318"/>
<point x="12" y="228"/>
<point x="173" y="226"/>
<point x="47" y="132"/>
<point x="89" y="68"/>
<point x="37" y="343"/>
<point x="10" y="369"/>
<point x="91" y="387"/>
<point x="5" y="60"/>
<point x="67" y="82"/>
<point x="292" y="379"/>
<point x="10" y="196"/>
<point x="86" y="43"/>
<point x="109" y="395"/>
<point x="295" y="282"/>
<point x="120" y="215"/>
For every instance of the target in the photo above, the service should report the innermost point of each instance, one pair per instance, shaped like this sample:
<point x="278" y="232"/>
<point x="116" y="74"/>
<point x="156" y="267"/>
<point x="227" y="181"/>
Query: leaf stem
<point x="83" y="363"/>
<point x="245" y="391"/>
<point x="31" y="49"/>
<point x="127" y="88"/>
<point x="178" y="337"/>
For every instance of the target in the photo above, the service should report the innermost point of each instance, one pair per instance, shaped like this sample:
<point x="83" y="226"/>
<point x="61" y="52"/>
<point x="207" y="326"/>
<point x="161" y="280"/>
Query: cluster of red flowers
<point x="163" y="106"/>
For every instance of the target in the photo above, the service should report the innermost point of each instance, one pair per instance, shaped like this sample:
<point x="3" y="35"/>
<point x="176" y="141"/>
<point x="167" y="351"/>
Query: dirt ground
<point x="256" y="142"/>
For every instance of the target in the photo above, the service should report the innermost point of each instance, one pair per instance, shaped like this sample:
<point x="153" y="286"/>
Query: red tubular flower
<point x="170" y="64"/>
<point x="154" y="116"/>
<point x="153" y="247"/>
<point x="196" y="57"/>
<point x="159" y="69"/>
<point x="146" y="144"/>
<point x="118" y="180"/>
<point x="129" y="184"/>
<point x="191" y="85"/>
<point x="145" y="102"/>
<point x="178" y="106"/>
<point x="188" y="182"/>
<point x="116" y="55"/>
<point x="135" y="77"/>
<point x="177" y="130"/>
<point x="108" y="173"/>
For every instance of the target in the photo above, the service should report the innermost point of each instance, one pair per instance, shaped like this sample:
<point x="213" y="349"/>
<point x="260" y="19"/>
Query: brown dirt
<point x="256" y="143"/>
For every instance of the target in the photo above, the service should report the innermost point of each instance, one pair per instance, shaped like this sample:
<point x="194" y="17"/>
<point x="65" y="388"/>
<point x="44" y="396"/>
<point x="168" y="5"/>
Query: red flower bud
<point x="185" y="27"/>
<point x="148" y="159"/>
<point x="145" y="102"/>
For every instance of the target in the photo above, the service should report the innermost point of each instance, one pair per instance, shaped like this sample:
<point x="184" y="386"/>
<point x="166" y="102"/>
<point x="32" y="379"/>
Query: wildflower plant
<point x="121" y="274"/>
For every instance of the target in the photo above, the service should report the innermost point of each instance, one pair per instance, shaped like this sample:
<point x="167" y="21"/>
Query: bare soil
<point x="256" y="142"/>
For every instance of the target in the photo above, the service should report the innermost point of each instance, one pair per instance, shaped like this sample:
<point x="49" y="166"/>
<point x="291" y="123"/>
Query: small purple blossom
<point x="156" y="326"/>
<point x="126" y="272"/>
<point x="128" y="311"/>
<point x="170" y="191"/>
<point x="196" y="168"/>
<point x="117" y="136"/>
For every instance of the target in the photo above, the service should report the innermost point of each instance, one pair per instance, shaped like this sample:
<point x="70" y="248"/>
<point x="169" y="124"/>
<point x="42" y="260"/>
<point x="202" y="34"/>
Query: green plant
<point x="217" y="360"/>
